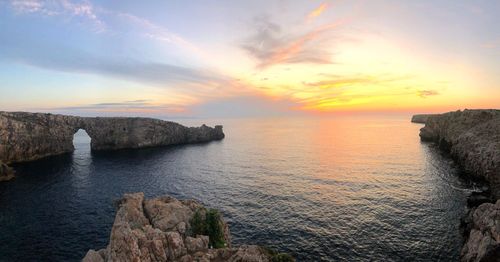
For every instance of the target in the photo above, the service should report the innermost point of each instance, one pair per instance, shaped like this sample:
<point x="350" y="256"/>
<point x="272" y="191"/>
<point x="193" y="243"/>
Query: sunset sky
<point x="245" y="58"/>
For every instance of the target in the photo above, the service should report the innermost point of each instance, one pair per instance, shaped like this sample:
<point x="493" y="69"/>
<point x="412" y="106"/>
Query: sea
<point x="345" y="188"/>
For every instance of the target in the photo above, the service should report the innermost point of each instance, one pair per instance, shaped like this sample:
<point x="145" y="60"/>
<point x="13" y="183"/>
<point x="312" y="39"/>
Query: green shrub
<point x="210" y="225"/>
<point x="198" y="225"/>
<point x="214" y="229"/>
<point x="282" y="257"/>
<point x="278" y="257"/>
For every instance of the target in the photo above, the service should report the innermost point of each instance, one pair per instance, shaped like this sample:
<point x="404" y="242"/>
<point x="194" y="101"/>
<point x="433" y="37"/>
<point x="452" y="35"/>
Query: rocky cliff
<point x="167" y="229"/>
<point x="472" y="137"/>
<point x="421" y="119"/>
<point x="30" y="136"/>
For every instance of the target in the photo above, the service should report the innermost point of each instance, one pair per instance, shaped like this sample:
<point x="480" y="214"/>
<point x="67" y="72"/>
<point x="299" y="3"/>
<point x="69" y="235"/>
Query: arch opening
<point x="81" y="141"/>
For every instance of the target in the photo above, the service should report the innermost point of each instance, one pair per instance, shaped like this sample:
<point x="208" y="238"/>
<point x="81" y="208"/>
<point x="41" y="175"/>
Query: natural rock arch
<point x="30" y="136"/>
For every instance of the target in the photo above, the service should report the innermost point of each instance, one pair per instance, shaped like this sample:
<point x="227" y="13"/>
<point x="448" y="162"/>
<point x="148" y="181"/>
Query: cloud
<point x="340" y="82"/>
<point x="150" y="30"/>
<point x="83" y="9"/>
<point x="190" y="83"/>
<point x="78" y="61"/>
<point x="246" y="106"/>
<point x="493" y="44"/>
<point x="426" y="93"/>
<point x="138" y="107"/>
<point x="317" y="12"/>
<point x="334" y="81"/>
<point x="102" y="20"/>
<point x="271" y="46"/>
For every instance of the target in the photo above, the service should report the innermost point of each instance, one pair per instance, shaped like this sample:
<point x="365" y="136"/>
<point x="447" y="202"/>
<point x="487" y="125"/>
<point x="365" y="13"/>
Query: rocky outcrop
<point x="30" y="136"/>
<point x="6" y="172"/>
<point x="472" y="137"/>
<point x="167" y="229"/>
<point x="421" y="119"/>
<point x="483" y="234"/>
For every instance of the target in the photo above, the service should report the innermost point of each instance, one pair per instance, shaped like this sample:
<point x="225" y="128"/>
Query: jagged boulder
<point x="163" y="229"/>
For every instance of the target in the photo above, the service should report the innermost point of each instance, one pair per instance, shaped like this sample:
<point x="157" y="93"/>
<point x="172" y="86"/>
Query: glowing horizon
<point x="255" y="57"/>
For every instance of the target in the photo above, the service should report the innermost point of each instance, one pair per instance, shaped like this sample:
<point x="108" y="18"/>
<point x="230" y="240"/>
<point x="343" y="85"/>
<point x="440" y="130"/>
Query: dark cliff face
<point x="472" y="137"/>
<point x="31" y="136"/>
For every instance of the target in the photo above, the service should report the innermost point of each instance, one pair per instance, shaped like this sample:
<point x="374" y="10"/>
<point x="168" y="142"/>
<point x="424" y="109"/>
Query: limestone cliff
<point x="421" y="119"/>
<point x="472" y="137"/>
<point x="167" y="229"/>
<point x="30" y="136"/>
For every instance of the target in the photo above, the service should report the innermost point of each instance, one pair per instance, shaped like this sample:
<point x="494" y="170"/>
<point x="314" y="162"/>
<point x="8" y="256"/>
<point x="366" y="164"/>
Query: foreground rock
<point x="167" y="229"/>
<point x="421" y="119"/>
<point x="6" y="172"/>
<point x="483" y="242"/>
<point x="30" y="136"/>
<point x="472" y="137"/>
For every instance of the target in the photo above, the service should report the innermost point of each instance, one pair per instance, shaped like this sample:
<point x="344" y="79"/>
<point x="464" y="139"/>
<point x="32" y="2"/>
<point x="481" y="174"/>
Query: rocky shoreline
<point x="472" y="138"/>
<point x="167" y="229"/>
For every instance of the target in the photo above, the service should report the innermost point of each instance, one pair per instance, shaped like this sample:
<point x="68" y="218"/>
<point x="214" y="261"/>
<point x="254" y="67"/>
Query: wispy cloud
<point x="271" y="46"/>
<point x="83" y="9"/>
<point x="493" y="44"/>
<point x="139" y="107"/>
<point x="198" y="82"/>
<point x="427" y="93"/>
<point x="317" y="12"/>
<point x="101" y="20"/>
<point x="340" y="82"/>
<point x="151" y="30"/>
<point x="333" y="81"/>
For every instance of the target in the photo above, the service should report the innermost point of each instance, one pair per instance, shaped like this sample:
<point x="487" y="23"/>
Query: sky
<point x="226" y="58"/>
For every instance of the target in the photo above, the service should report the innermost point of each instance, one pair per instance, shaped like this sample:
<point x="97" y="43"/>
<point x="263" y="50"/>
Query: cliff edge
<point x="421" y="118"/>
<point x="472" y="137"/>
<point x="167" y="229"/>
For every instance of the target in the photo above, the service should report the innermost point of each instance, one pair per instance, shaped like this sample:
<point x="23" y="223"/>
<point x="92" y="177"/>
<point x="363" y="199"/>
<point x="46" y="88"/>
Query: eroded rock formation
<point x="30" y="136"/>
<point x="165" y="229"/>
<point x="472" y="137"/>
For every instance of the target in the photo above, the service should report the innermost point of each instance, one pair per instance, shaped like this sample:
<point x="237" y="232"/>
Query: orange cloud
<point x="293" y="49"/>
<point x="318" y="11"/>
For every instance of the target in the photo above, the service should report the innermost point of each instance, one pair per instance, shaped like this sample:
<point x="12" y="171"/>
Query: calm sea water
<point x="353" y="189"/>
